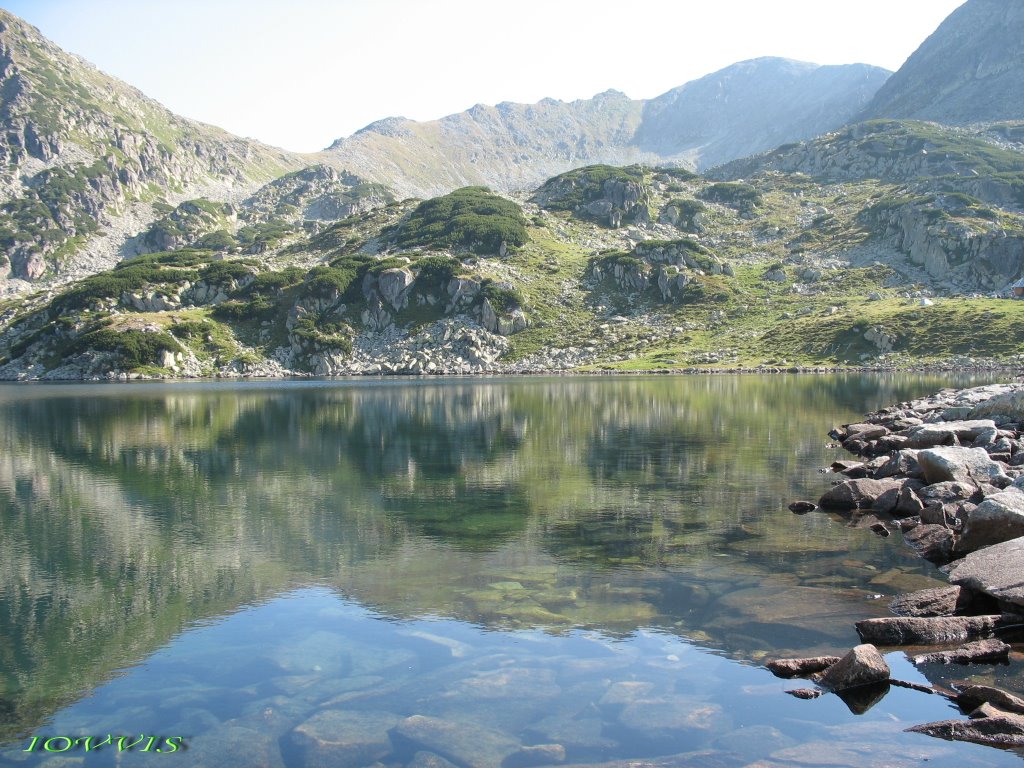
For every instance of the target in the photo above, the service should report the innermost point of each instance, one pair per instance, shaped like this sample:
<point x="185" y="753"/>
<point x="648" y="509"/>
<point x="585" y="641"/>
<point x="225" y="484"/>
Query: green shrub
<point x="134" y="348"/>
<point x="221" y="240"/>
<point x="572" y="190"/>
<point x="225" y="271"/>
<point x="471" y="217"/>
<point x="679" y="174"/>
<point x="437" y="270"/>
<point x="503" y="299"/>
<point x="325" y="281"/>
<point x="734" y="194"/>
<point x="610" y="259"/>
<point x="111" y="284"/>
<point x="192" y="329"/>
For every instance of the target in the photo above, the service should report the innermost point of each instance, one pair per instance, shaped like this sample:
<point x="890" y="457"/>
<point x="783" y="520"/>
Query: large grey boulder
<point x="997" y="519"/>
<point x="962" y="465"/>
<point x="944" y="432"/>
<point x="394" y="285"/>
<point x="997" y="570"/>
<point x="1006" y="405"/>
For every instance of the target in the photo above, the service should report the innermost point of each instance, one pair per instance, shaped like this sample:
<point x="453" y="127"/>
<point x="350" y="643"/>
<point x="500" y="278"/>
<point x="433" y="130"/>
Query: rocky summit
<point x="515" y="238"/>
<point x="970" y="70"/>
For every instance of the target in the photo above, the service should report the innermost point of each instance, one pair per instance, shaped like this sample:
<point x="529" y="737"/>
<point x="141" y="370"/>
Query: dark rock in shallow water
<point x="429" y="760"/>
<point x="863" y="665"/>
<point x="941" y="601"/>
<point x="865" y="431"/>
<point x="787" y="668"/>
<point x="1003" y="731"/>
<point x="849" y="468"/>
<point x="932" y="542"/>
<point x="901" y="630"/>
<point x="978" y="652"/>
<point x="802" y="507"/>
<point x="856" y="494"/>
<point x="535" y="755"/>
<point x="806" y="693"/>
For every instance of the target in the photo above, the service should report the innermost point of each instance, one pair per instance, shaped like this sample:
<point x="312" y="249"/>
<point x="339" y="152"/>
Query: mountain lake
<point x="433" y="572"/>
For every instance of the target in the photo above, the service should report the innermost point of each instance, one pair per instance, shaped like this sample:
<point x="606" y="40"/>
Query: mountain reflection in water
<point x="239" y="538"/>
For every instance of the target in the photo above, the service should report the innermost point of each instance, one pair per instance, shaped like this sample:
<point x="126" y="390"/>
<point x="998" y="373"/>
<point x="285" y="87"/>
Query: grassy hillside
<point x="601" y="268"/>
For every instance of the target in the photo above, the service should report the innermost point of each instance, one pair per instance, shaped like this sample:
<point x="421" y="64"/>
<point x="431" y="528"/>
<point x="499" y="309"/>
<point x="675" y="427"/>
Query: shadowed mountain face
<point x="748" y="107"/>
<point x="753" y="106"/>
<point x="970" y="70"/>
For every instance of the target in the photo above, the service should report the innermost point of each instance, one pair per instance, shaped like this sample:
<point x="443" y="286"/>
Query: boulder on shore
<point x="997" y="519"/>
<point x="946" y="433"/>
<point x="997" y="571"/>
<point x="955" y="464"/>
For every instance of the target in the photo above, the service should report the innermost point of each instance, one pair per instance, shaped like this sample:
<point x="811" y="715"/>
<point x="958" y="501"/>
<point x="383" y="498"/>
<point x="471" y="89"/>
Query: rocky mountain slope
<point x="84" y="155"/>
<point x="956" y="207"/>
<point x="94" y="171"/>
<point x="600" y="267"/>
<point x="748" y="107"/>
<point x="970" y="70"/>
<point x="753" y="106"/>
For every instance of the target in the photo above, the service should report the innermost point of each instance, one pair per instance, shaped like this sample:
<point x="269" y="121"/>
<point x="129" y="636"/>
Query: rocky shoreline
<point x="273" y="370"/>
<point x="948" y="472"/>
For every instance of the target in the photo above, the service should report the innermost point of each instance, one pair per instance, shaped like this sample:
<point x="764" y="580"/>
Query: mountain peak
<point x="970" y="70"/>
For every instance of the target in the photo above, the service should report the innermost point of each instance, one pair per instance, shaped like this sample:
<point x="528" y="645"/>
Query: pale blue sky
<point x="302" y="73"/>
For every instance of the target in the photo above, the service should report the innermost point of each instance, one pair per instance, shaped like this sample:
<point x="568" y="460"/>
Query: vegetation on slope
<point x="473" y="218"/>
<point x="780" y="269"/>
